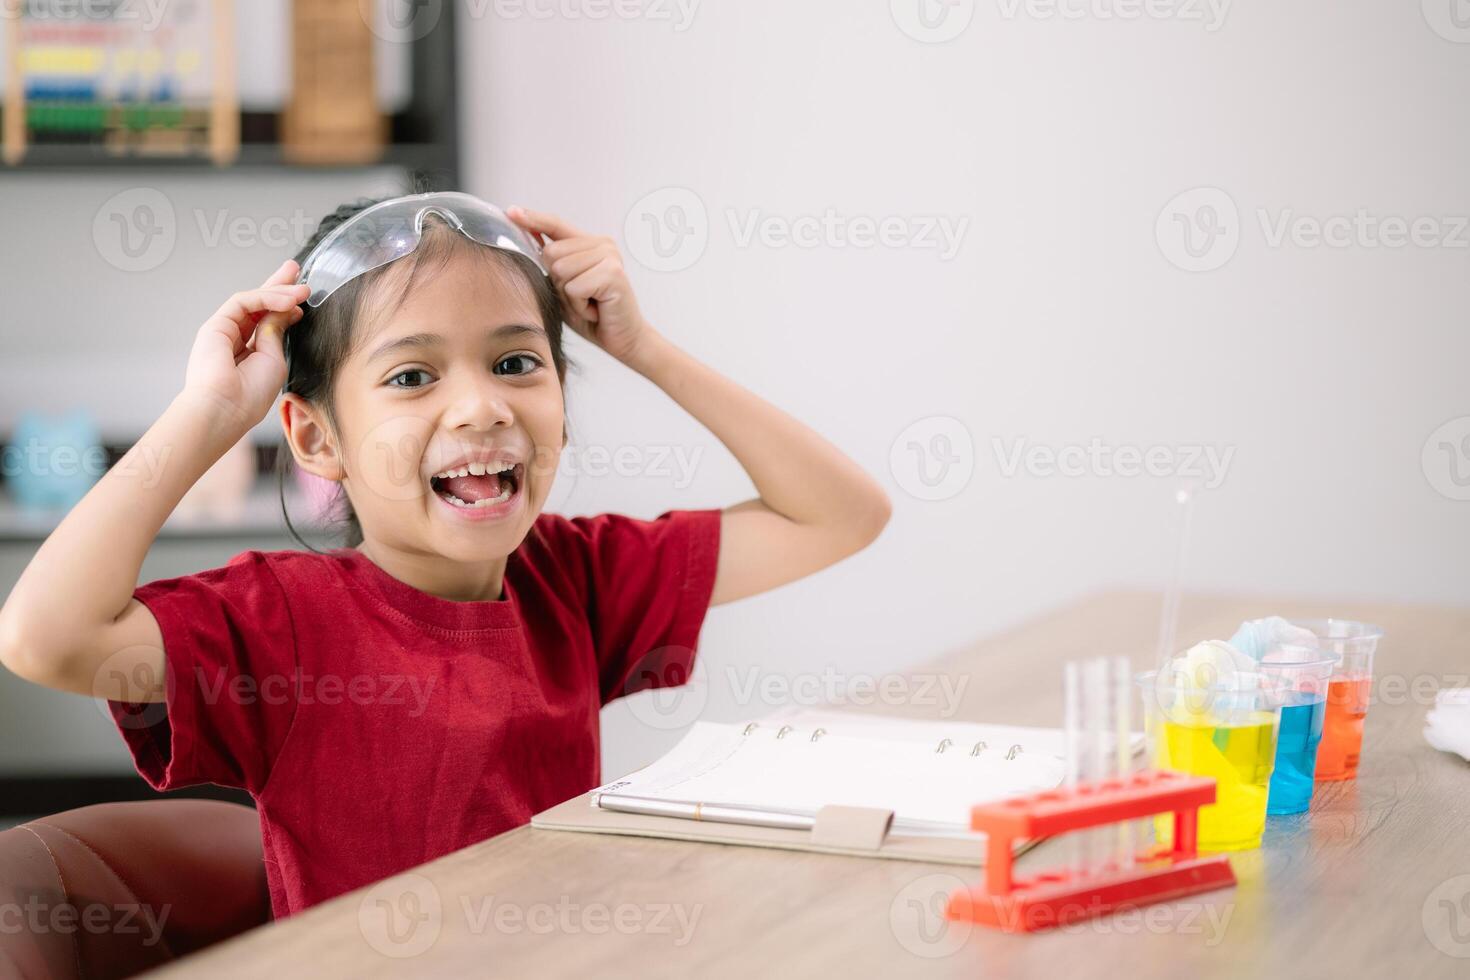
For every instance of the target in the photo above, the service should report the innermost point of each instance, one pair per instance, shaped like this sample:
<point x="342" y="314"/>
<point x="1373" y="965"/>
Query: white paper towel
<point x="1447" y="726"/>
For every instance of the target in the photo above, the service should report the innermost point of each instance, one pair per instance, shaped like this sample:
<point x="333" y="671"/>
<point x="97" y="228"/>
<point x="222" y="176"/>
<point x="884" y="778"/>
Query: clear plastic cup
<point x="1304" y="674"/>
<point x="1226" y="730"/>
<point x="1354" y="645"/>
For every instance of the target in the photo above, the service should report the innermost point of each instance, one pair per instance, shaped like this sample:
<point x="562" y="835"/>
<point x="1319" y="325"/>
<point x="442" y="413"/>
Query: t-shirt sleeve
<point x="230" y="679"/>
<point x="649" y="587"/>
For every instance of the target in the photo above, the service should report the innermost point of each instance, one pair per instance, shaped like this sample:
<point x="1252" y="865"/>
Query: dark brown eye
<point x="528" y="364"/>
<point x="413" y="378"/>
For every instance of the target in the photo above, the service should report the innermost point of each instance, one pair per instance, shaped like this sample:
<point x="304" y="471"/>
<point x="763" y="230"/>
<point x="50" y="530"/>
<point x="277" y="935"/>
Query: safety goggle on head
<point x="389" y="230"/>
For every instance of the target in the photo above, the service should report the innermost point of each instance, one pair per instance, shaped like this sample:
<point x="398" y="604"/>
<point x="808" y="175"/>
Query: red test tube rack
<point x="1058" y="897"/>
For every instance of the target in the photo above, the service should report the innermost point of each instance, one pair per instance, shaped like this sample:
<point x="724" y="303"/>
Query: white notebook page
<point x="926" y="789"/>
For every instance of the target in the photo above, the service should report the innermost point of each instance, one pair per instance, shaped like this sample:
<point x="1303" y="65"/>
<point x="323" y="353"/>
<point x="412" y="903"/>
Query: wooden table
<point x="1375" y="881"/>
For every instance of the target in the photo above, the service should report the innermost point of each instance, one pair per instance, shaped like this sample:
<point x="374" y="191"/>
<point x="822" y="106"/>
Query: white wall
<point x="1060" y="319"/>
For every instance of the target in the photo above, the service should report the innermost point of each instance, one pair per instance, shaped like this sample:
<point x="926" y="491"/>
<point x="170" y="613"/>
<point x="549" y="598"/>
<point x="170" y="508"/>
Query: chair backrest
<point x="114" y="889"/>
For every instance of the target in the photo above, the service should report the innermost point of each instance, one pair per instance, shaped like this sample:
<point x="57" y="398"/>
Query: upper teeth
<point x="475" y="469"/>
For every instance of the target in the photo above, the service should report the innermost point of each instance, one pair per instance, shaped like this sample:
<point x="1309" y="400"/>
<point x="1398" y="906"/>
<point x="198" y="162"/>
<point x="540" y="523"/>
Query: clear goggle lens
<point x="392" y="229"/>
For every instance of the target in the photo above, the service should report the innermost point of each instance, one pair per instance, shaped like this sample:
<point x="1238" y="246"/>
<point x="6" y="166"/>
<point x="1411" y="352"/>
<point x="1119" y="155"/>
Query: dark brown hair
<point x="323" y="338"/>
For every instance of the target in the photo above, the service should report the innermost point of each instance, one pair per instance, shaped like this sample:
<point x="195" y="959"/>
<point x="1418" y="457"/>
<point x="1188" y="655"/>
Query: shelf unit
<point x="424" y="135"/>
<point x="258" y="516"/>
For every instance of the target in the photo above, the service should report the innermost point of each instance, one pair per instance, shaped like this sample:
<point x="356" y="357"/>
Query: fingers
<point x="568" y="267"/>
<point x="539" y="222"/>
<point x="265" y="365"/>
<point x="593" y="287"/>
<point x="236" y="320"/>
<point x="239" y="307"/>
<point x="587" y="269"/>
<point x="272" y="327"/>
<point x="263" y="369"/>
<point x="593" y="283"/>
<point x="571" y="246"/>
<point x="285" y="275"/>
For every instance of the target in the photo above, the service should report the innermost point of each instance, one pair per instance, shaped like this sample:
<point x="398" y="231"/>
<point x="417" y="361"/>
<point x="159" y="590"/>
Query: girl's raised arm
<point x="815" y="505"/>
<point x="71" y="621"/>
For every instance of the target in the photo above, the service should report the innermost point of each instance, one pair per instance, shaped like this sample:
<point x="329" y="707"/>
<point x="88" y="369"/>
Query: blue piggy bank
<point x="51" y="462"/>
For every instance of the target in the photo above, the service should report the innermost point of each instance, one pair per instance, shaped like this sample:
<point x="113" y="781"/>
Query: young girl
<point x="438" y="681"/>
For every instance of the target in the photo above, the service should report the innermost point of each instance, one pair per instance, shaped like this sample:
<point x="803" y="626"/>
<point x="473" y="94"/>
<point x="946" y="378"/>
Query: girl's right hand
<point x="237" y="361"/>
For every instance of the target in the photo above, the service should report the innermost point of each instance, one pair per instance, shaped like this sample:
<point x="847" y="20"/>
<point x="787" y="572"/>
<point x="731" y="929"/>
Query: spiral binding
<point x="944" y="743"/>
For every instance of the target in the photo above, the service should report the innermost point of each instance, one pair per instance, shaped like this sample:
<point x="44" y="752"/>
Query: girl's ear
<point x="310" y="438"/>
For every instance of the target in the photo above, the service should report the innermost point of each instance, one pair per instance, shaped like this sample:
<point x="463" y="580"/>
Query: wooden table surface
<point x="1374" y="881"/>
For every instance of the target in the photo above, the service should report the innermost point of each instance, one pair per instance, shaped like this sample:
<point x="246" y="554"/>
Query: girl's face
<point x="449" y="413"/>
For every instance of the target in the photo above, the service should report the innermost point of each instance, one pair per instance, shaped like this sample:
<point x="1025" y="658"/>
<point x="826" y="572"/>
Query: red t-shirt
<point x="377" y="726"/>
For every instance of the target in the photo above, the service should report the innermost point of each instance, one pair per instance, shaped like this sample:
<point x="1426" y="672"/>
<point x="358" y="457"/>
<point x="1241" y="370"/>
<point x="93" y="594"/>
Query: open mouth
<point x="476" y="485"/>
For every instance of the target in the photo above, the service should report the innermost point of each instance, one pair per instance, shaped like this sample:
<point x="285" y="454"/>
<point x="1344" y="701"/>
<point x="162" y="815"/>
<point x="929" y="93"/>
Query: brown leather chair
<point x="111" y="890"/>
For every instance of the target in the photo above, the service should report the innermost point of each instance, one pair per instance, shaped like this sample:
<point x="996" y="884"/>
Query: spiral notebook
<point x="825" y="781"/>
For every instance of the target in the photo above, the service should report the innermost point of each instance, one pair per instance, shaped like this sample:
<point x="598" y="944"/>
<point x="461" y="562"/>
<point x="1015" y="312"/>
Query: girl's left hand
<point x="588" y="271"/>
